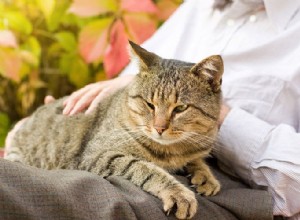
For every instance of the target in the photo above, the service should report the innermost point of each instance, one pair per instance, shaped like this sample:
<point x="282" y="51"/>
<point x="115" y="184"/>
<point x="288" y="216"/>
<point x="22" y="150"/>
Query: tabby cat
<point x="166" y="119"/>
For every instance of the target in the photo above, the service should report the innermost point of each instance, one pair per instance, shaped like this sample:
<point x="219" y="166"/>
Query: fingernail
<point x="87" y="112"/>
<point x="65" y="111"/>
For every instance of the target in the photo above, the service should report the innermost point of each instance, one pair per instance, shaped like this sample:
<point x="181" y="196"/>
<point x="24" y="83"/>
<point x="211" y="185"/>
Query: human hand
<point x="90" y="95"/>
<point x="48" y="99"/>
<point x="224" y="112"/>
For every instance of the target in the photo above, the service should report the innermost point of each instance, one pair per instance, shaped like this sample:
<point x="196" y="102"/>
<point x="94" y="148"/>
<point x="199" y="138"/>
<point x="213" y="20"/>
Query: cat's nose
<point x="160" y="130"/>
<point x="161" y="123"/>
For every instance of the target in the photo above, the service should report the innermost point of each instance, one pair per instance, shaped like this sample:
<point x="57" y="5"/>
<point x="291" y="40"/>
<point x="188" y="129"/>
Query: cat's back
<point x="49" y="139"/>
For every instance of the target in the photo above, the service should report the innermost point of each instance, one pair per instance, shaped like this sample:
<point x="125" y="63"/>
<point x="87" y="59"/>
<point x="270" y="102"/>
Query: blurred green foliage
<point x="47" y="47"/>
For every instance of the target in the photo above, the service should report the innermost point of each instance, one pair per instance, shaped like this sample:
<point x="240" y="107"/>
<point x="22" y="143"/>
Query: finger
<point x="104" y="93"/>
<point x="69" y="106"/>
<point x="48" y="99"/>
<point x="70" y="102"/>
<point x="85" y="101"/>
<point x="77" y="94"/>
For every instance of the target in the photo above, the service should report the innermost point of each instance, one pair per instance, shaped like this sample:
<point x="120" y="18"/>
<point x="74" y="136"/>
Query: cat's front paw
<point x="205" y="183"/>
<point x="182" y="198"/>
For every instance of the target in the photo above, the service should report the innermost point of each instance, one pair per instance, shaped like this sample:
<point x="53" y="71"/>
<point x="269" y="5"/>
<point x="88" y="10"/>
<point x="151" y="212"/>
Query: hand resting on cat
<point x="164" y="120"/>
<point x="88" y="97"/>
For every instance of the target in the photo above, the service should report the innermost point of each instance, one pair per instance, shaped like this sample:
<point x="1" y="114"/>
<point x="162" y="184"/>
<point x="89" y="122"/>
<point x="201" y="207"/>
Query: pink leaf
<point x="8" y="39"/>
<point x="87" y="8"/>
<point x="116" y="56"/>
<point x="140" y="26"/>
<point x="138" y="6"/>
<point x="10" y="63"/>
<point x="93" y="40"/>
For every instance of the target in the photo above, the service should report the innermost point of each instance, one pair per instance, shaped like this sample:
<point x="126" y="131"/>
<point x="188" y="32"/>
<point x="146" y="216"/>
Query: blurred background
<point x="54" y="47"/>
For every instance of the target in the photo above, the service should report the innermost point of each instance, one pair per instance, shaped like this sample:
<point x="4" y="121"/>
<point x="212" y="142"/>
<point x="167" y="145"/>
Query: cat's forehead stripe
<point x="166" y="86"/>
<point x="165" y="94"/>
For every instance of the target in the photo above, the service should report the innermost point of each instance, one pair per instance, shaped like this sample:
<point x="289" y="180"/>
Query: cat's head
<point x="172" y="101"/>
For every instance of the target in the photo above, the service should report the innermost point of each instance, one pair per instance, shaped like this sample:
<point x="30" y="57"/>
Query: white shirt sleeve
<point x="263" y="154"/>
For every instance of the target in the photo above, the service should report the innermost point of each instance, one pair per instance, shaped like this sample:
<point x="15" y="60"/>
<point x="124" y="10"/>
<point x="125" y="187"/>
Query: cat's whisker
<point x="197" y="141"/>
<point x="141" y="125"/>
<point x="200" y="139"/>
<point x="188" y="142"/>
<point x="205" y="137"/>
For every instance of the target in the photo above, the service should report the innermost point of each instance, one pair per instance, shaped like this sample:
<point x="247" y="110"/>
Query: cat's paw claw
<point x="209" y="189"/>
<point x="168" y="212"/>
<point x="183" y="199"/>
<point x="206" y="185"/>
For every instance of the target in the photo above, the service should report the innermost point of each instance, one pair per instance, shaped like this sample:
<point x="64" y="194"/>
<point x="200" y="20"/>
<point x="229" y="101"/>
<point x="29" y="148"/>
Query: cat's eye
<point x="150" y="105"/>
<point x="180" y="108"/>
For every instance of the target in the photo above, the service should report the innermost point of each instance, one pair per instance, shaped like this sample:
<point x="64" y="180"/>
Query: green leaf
<point x="53" y="50"/>
<point x="29" y="58"/>
<point x="26" y="69"/>
<point x="33" y="45"/>
<point x="4" y="127"/>
<point x="31" y="51"/>
<point x="46" y="6"/>
<point x="18" y="22"/>
<point x="67" y="41"/>
<point x="58" y="14"/>
<point x="66" y="62"/>
<point x="79" y="74"/>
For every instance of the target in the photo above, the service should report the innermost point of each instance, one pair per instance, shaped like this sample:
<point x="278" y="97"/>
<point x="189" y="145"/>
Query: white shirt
<point x="260" y="139"/>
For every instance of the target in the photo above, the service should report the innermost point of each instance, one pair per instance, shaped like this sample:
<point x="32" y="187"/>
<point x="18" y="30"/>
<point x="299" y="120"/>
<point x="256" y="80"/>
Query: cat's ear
<point x="211" y="69"/>
<point x="145" y="58"/>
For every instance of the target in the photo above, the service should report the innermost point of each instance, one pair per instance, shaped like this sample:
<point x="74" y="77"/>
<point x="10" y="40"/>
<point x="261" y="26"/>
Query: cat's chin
<point x="163" y="140"/>
<point x="160" y="139"/>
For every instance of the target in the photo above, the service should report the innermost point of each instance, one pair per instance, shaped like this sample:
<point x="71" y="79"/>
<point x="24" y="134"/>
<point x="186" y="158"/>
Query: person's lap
<point x="31" y="193"/>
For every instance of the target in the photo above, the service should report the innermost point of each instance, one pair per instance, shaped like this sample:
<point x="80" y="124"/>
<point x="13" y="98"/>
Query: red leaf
<point x="87" y="8"/>
<point x="140" y="26"/>
<point x="8" y="39"/>
<point x="116" y="56"/>
<point x="93" y="40"/>
<point x="166" y="8"/>
<point x="138" y="6"/>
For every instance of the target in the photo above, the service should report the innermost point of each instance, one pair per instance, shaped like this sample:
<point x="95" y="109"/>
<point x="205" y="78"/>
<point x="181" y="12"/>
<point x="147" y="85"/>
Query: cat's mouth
<point x="166" y="138"/>
<point x="163" y="139"/>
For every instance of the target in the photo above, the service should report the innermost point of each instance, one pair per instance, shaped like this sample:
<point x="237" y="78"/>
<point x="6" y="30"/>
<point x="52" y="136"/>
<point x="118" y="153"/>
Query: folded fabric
<point x="31" y="193"/>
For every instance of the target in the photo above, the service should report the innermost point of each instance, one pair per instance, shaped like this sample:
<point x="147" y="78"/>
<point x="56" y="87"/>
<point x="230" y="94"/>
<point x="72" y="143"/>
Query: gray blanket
<point x="31" y="193"/>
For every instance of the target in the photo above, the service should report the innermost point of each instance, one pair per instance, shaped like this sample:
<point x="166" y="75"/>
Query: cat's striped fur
<point x="166" y="119"/>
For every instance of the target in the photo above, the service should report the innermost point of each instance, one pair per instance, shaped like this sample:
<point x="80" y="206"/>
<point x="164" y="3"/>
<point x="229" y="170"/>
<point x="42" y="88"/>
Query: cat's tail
<point x="11" y="152"/>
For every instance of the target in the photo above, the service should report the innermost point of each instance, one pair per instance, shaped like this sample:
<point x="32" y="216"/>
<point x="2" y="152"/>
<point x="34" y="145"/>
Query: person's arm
<point x="263" y="154"/>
